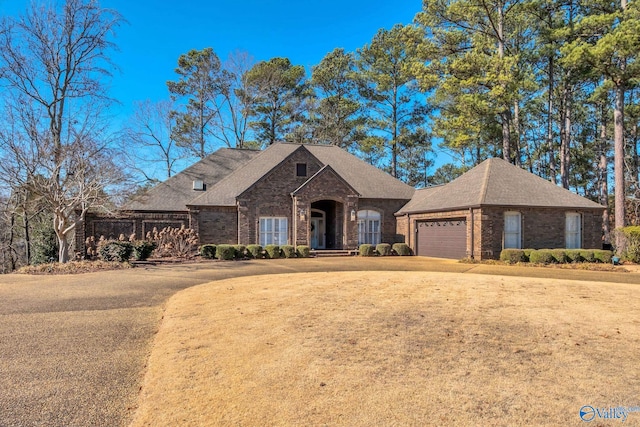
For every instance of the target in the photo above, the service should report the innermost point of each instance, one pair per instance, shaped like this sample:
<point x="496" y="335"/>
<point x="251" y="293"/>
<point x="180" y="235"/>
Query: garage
<point x="444" y="238"/>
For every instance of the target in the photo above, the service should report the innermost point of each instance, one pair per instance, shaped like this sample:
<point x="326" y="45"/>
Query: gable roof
<point x="496" y="182"/>
<point x="323" y="171"/>
<point x="225" y="192"/>
<point x="367" y="180"/>
<point x="176" y="192"/>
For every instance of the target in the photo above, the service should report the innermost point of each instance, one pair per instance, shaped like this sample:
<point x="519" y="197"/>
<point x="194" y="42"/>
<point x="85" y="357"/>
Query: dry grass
<point x="382" y="348"/>
<point x="73" y="267"/>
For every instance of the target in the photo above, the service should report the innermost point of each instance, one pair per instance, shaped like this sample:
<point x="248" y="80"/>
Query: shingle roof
<point x="496" y="182"/>
<point x="226" y="191"/>
<point x="176" y="192"/>
<point x="367" y="180"/>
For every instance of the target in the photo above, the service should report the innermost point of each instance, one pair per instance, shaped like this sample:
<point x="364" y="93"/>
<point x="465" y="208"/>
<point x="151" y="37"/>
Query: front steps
<point x="333" y="252"/>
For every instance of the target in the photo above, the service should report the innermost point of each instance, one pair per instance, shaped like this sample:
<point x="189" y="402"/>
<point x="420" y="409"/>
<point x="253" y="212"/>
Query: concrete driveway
<point x="73" y="348"/>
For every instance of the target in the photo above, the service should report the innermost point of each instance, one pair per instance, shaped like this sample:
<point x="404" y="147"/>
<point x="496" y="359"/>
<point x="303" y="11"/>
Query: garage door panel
<point x="446" y="238"/>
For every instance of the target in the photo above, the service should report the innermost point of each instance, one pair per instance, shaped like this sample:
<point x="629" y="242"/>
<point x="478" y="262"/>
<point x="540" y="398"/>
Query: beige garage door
<point x="445" y="238"/>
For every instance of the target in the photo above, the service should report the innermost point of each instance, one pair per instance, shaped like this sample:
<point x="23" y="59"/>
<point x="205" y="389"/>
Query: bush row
<point x="384" y="249"/>
<point x="231" y="252"/>
<point x="122" y="251"/>
<point x="555" y="256"/>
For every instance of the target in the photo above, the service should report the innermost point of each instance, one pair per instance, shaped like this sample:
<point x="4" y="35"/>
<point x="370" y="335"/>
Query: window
<point x="572" y="231"/>
<point x="512" y="233"/>
<point x="301" y="169"/>
<point x="273" y="231"/>
<point x="368" y="227"/>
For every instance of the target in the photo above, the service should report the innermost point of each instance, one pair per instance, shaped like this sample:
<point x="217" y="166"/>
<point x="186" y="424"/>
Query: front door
<point x="318" y="229"/>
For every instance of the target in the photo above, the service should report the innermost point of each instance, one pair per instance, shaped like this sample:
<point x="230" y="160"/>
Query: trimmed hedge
<point x="241" y="251"/>
<point x="587" y="255"/>
<point x="208" y="251"/>
<point x="367" y="250"/>
<point x="574" y="255"/>
<point x="556" y="256"/>
<point x="225" y="252"/>
<point x="401" y="249"/>
<point x="559" y="256"/>
<point x="542" y="256"/>
<point x="115" y="250"/>
<point x="602" y="256"/>
<point x="513" y="256"/>
<point x="304" y="251"/>
<point x="383" y="249"/>
<point x="273" y="251"/>
<point x="254" y="251"/>
<point x="288" y="251"/>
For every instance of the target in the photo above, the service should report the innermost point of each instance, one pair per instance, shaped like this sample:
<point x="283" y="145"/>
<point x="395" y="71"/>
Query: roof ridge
<point x="485" y="181"/>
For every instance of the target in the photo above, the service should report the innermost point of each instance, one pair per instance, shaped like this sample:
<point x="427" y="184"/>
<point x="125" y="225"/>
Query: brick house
<point x="326" y="198"/>
<point x="498" y="205"/>
<point x="314" y="195"/>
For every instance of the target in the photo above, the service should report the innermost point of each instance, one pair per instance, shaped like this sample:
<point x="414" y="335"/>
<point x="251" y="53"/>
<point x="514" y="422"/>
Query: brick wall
<point x="218" y="225"/>
<point x="387" y="208"/>
<point x="541" y="228"/>
<point x="271" y="196"/>
<point x="127" y="223"/>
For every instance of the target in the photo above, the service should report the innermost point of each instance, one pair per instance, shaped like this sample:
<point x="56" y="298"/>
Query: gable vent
<point x="198" y="184"/>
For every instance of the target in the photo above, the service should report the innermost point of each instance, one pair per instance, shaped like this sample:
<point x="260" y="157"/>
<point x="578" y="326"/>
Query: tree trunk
<point x="603" y="177"/>
<point x="516" y="126"/>
<point x="552" y="154"/>
<point x="565" y="139"/>
<point x="63" y="249"/>
<point x="618" y="147"/>
<point x="12" y="258"/>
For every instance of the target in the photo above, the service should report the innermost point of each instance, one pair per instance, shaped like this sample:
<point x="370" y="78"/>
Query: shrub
<point x="542" y="256"/>
<point x="174" y="242"/>
<point x="225" y="252"/>
<point x="559" y="255"/>
<point x="401" y="249"/>
<point x="304" y="251"/>
<point x="602" y="256"/>
<point x="254" y="251"/>
<point x="527" y="253"/>
<point x="241" y="251"/>
<point x="587" y="255"/>
<point x="115" y="250"/>
<point x="273" y="251"/>
<point x="288" y="251"/>
<point x="367" y="250"/>
<point x="383" y="249"/>
<point x="628" y="239"/>
<point x="142" y="249"/>
<point x="513" y="256"/>
<point x="208" y="251"/>
<point x="574" y="255"/>
<point x="45" y="245"/>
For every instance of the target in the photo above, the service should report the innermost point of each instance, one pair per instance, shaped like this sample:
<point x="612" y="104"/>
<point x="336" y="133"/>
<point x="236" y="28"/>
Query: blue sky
<point x="157" y="32"/>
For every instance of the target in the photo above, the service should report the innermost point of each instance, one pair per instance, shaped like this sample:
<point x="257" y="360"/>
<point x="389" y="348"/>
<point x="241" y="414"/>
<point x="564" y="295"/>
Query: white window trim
<point x="519" y="232"/>
<point x="575" y="234"/>
<point x="368" y="219"/>
<point x="274" y="237"/>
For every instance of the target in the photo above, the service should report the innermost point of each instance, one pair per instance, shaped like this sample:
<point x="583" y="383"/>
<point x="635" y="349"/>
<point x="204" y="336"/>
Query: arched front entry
<point x="326" y="225"/>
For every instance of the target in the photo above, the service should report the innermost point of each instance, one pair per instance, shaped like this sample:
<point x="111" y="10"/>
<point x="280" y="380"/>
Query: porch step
<point x="333" y="252"/>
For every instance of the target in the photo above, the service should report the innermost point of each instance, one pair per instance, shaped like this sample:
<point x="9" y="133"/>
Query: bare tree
<point x="55" y="66"/>
<point x="149" y="140"/>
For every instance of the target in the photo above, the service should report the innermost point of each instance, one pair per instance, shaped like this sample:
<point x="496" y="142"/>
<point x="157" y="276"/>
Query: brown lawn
<point x="393" y="349"/>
